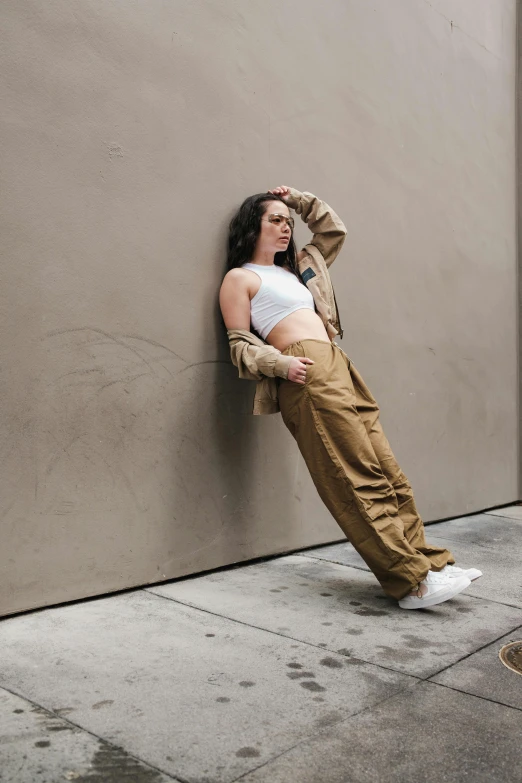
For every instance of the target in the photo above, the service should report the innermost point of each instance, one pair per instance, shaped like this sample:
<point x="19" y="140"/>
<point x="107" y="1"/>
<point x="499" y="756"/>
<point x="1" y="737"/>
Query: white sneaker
<point x="453" y="571"/>
<point x="440" y="588"/>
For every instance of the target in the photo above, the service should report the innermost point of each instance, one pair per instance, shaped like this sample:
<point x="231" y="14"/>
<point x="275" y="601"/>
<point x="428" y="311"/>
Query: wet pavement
<point x="295" y="669"/>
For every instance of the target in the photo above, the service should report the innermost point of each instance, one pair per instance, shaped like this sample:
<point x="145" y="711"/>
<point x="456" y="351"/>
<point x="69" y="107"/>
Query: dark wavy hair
<point x="244" y="231"/>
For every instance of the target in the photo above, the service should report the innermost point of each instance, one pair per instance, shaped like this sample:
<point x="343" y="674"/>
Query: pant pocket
<point x="360" y="385"/>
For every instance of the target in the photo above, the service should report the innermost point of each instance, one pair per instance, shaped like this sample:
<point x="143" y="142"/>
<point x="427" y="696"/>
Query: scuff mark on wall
<point x="115" y="151"/>
<point x="457" y="27"/>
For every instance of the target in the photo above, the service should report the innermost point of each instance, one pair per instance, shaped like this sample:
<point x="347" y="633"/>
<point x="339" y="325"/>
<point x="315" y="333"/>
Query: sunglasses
<point x="278" y="219"/>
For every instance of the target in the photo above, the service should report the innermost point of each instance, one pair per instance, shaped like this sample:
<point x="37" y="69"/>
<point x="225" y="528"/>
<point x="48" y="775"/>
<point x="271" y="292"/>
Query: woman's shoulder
<point x="238" y="278"/>
<point x="237" y="274"/>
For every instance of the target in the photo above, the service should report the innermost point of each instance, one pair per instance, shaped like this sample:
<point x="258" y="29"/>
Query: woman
<point x="288" y="299"/>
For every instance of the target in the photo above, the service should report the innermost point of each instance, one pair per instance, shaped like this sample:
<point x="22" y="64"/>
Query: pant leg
<point x="414" y="530"/>
<point x="322" y="416"/>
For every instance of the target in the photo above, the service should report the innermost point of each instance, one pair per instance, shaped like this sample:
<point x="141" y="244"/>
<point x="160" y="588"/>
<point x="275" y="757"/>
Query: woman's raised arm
<point x="329" y="231"/>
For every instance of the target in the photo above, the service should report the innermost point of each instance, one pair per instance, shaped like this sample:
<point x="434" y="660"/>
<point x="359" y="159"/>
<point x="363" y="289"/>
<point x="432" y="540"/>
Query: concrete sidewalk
<point x="293" y="670"/>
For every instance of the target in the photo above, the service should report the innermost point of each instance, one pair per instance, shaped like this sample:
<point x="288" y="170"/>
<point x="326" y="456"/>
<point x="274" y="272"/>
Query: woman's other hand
<point x="283" y="191"/>
<point x="297" y="370"/>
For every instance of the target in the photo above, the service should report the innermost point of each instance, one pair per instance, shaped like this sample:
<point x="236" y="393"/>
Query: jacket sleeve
<point x="328" y="230"/>
<point x="255" y="359"/>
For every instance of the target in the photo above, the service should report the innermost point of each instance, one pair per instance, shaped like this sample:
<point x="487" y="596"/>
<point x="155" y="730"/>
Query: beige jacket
<point x="254" y="358"/>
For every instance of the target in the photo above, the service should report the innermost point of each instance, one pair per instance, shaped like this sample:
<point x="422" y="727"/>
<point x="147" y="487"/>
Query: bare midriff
<point x="304" y="324"/>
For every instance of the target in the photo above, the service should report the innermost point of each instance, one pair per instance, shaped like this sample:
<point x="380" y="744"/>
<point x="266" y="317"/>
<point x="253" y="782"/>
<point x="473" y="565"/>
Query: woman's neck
<point x="263" y="258"/>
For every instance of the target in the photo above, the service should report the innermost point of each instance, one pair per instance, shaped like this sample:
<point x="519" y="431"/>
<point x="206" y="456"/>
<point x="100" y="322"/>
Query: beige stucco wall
<point x="130" y="132"/>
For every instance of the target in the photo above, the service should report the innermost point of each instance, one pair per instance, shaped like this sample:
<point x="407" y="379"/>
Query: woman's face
<point x="275" y="232"/>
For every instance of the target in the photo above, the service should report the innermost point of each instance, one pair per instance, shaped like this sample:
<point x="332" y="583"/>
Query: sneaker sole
<point x="458" y="584"/>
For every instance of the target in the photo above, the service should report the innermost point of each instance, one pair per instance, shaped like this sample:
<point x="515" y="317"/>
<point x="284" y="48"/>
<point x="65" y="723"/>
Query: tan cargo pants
<point x="335" y="421"/>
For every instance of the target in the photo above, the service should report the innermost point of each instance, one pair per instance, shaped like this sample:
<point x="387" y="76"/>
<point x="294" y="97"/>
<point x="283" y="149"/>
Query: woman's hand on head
<point x="283" y="191"/>
<point x="297" y="369"/>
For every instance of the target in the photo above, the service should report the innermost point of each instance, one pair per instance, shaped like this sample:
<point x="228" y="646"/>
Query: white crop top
<point x="280" y="294"/>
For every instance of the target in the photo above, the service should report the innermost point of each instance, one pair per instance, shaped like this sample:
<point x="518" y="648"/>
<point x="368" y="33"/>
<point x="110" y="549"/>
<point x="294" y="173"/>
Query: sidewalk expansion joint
<point x="501" y="516"/>
<point x="287" y="636"/>
<point x="473" y="652"/>
<point x="463" y="543"/>
<point x="337" y="562"/>
<point x="475" y="695"/>
<point x="318" y="733"/>
<point x="268" y="761"/>
<point x="92" y="734"/>
<point x="493" y="601"/>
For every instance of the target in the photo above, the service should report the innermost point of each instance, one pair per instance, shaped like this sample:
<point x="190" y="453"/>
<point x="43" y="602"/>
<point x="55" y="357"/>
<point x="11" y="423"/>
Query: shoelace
<point x="452" y="569"/>
<point x="432" y="577"/>
<point x="435" y="577"/>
